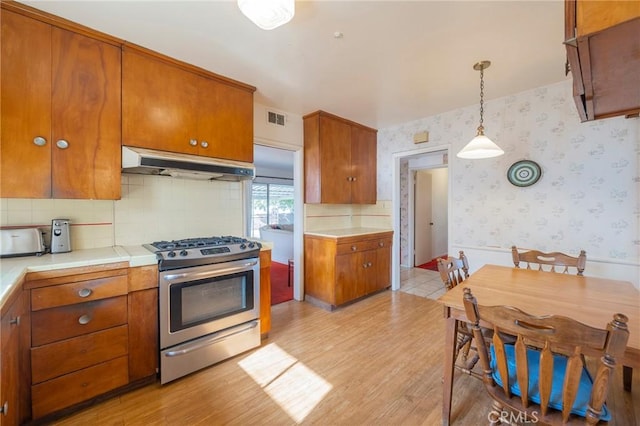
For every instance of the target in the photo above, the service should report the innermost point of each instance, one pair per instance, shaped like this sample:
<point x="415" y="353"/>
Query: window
<point x="271" y="204"/>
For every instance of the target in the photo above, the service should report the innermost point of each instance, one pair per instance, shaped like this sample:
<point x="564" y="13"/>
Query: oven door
<point x="206" y="299"/>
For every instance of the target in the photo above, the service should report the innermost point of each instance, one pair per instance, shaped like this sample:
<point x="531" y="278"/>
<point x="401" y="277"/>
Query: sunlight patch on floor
<point x="290" y="383"/>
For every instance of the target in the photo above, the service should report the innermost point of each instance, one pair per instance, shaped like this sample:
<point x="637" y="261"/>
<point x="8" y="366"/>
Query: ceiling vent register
<point x="276" y="118"/>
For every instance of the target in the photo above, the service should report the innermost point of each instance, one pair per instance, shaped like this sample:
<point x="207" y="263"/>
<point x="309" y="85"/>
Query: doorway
<point x="420" y="165"/>
<point x="430" y="220"/>
<point x="279" y="175"/>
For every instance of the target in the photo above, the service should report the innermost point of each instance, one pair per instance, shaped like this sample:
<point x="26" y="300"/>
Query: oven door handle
<point x="212" y="273"/>
<point x="215" y="338"/>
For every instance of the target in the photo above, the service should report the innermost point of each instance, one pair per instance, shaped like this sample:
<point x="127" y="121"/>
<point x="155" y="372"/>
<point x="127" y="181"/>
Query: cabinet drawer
<point x="356" y="247"/>
<point x="82" y="385"/>
<point x="51" y="325"/>
<point x="55" y="359"/>
<point x="78" y="292"/>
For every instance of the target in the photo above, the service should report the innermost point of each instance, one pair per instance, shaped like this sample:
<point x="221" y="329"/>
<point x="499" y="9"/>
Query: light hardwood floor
<point x="375" y="362"/>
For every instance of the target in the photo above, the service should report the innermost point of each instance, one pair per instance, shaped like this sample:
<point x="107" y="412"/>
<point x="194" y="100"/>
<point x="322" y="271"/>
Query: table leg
<point x="451" y="330"/>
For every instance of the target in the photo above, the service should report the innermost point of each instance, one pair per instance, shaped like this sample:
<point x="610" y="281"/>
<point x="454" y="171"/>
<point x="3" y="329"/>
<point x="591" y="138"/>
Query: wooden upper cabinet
<point x="603" y="52"/>
<point x="159" y="104"/>
<point x="169" y="106"/>
<point x="340" y="160"/>
<point x="363" y="165"/>
<point x="26" y="107"/>
<point x="60" y="112"/>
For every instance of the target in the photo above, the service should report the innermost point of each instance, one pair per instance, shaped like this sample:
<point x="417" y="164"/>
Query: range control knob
<point x="252" y="244"/>
<point x="183" y="253"/>
<point x="171" y="254"/>
<point x="243" y="246"/>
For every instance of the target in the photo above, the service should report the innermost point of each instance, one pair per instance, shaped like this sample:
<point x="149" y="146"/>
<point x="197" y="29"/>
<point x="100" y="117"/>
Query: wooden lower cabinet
<point x="339" y="270"/>
<point x="81" y="385"/>
<point x="13" y="399"/>
<point x="94" y="330"/>
<point x="265" y="292"/>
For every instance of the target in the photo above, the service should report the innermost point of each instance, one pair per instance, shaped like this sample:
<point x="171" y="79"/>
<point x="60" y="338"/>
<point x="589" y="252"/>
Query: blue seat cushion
<point x="559" y="366"/>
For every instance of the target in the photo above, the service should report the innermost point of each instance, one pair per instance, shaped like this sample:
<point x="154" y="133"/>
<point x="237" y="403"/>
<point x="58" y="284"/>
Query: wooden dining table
<point x="590" y="300"/>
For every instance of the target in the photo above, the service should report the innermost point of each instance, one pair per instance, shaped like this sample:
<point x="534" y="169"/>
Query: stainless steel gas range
<point x="209" y="295"/>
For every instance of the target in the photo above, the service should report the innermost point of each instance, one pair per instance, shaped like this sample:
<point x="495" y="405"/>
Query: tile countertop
<point x="14" y="268"/>
<point x="346" y="232"/>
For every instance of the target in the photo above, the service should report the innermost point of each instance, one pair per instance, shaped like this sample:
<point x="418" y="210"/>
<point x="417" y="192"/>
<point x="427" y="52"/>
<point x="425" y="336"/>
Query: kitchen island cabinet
<point x="60" y="132"/>
<point x="172" y="106"/>
<point x="603" y="48"/>
<point x="340" y="160"/>
<point x="340" y="269"/>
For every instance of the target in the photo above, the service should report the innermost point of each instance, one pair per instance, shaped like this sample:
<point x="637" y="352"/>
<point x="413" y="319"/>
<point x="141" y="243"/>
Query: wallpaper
<point x="587" y="197"/>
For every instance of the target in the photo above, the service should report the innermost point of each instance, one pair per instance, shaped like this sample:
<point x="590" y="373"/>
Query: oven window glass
<point x="202" y="301"/>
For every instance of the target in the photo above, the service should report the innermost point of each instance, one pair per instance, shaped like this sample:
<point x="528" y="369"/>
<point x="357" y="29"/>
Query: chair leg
<point x="627" y="377"/>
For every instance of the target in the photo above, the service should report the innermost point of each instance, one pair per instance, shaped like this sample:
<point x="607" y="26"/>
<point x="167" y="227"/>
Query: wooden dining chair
<point x="553" y="260"/>
<point x="547" y="356"/>
<point x="454" y="271"/>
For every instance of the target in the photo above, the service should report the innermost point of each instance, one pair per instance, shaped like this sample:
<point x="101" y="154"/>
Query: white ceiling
<point x="396" y="62"/>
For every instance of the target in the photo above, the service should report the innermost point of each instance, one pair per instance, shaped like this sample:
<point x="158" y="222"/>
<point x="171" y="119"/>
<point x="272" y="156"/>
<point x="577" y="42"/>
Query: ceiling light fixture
<point x="480" y="146"/>
<point x="268" y="14"/>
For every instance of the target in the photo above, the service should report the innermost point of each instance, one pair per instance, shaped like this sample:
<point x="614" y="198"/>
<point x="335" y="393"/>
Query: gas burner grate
<point x="198" y="242"/>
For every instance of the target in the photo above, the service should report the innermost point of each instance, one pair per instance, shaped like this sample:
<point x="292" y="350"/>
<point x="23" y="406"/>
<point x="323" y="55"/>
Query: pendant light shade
<point x="480" y="146"/>
<point x="268" y="14"/>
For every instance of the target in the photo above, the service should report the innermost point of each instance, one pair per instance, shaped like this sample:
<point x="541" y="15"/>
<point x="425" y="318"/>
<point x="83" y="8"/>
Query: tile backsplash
<point x="152" y="208"/>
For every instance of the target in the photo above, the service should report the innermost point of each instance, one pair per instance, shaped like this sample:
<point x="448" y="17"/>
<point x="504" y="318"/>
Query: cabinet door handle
<point x="5" y="408"/>
<point x="15" y="321"/>
<point x="40" y="141"/>
<point x="204" y="144"/>
<point x="84" y="319"/>
<point x="193" y="142"/>
<point x="85" y="292"/>
<point x="62" y="144"/>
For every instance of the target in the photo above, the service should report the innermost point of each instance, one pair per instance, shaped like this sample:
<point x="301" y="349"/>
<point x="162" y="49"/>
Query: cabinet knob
<point x="354" y="248"/>
<point x="5" y="408"/>
<point x="369" y="265"/>
<point x="381" y="244"/>
<point x="62" y="144"/>
<point x="84" y="319"/>
<point x="40" y="141"/>
<point x="204" y="144"/>
<point x="364" y="265"/>
<point x="353" y="179"/>
<point x="15" y="321"/>
<point x="85" y="292"/>
<point x="349" y="178"/>
<point x="193" y="142"/>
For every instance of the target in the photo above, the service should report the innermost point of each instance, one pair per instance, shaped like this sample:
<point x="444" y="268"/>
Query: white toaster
<point x="21" y="242"/>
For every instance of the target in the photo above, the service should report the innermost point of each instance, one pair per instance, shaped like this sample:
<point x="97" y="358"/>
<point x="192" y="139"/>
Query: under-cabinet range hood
<point x="152" y="162"/>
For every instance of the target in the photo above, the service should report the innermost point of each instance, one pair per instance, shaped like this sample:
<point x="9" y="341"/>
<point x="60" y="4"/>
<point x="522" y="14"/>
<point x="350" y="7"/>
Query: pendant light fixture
<point x="480" y="146"/>
<point x="268" y="14"/>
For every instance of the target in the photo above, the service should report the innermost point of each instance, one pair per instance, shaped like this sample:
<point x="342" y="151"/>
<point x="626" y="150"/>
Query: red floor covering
<point x="280" y="291"/>
<point x="431" y="265"/>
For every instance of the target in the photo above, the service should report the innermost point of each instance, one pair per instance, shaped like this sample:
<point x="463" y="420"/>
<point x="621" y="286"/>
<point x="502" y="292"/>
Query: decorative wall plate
<point x="524" y="173"/>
